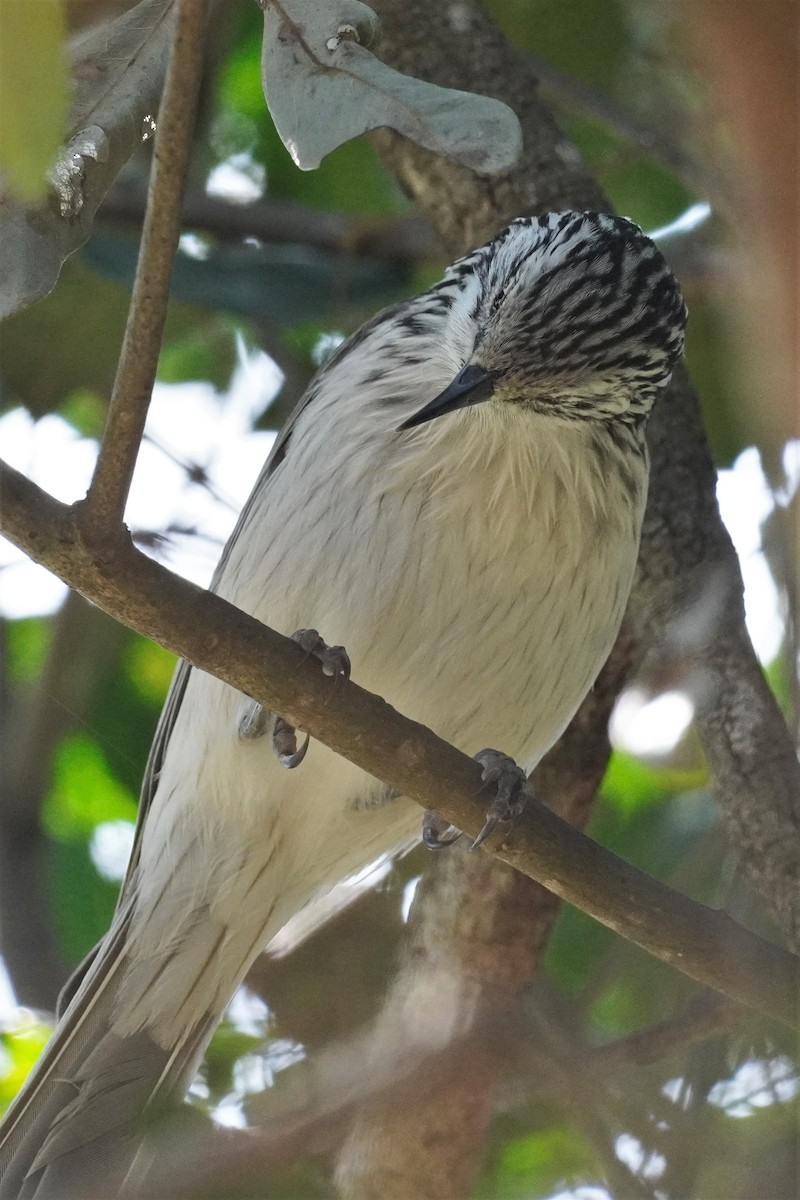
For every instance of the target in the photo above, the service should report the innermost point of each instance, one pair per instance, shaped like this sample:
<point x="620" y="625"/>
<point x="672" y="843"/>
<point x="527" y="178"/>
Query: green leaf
<point x="576" y="946"/>
<point x="27" y="646"/>
<point x="240" y="90"/>
<point x="226" y="1048"/>
<point x="351" y="179"/>
<point x="646" y="192"/>
<point x="308" y="339"/>
<point x="779" y="678"/>
<point x="589" y="39"/>
<point x="73" y="382"/>
<point x="83" y="301"/>
<point x="642" y="992"/>
<point x="282" y="284"/>
<point x="149" y="668"/>
<point x="33" y="93"/>
<point x="122" y="718"/>
<point x="535" y="1165"/>
<point x="631" y="785"/>
<point x="18" y="1052"/>
<point x="324" y="88"/>
<point x="206" y="351"/>
<point x="85" y="412"/>
<point x="118" y="69"/>
<point x="84" y="792"/>
<point x="81" y="902"/>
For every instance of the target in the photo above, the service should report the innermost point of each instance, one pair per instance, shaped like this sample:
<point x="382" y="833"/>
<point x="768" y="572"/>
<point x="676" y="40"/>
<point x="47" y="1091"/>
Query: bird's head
<point x="572" y="314"/>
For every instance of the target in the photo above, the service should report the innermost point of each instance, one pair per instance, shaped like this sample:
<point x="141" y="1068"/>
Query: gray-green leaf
<point x="118" y="71"/>
<point x="324" y="87"/>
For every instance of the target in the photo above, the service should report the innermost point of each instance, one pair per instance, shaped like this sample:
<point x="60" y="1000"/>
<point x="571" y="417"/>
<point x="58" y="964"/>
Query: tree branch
<point x="136" y="370"/>
<point x="216" y="637"/>
<point x="707" y="1017"/>
<point x="401" y="237"/>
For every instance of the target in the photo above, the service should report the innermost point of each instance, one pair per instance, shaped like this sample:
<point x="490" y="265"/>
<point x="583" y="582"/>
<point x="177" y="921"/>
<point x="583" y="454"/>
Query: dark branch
<point x="399" y="238"/>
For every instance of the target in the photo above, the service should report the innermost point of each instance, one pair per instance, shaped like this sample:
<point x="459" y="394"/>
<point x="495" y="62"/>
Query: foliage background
<point x="81" y="696"/>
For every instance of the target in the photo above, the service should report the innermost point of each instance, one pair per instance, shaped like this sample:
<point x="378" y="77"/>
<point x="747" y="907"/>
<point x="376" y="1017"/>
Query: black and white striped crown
<point x="576" y="296"/>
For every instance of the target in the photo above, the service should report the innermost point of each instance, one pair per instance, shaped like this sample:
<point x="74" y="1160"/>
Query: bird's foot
<point x="284" y="743"/>
<point x="334" y="659"/>
<point x="335" y="663"/>
<point x="509" y="802"/>
<point x="438" y="833"/>
<point x="511" y="781"/>
<point x="253" y="721"/>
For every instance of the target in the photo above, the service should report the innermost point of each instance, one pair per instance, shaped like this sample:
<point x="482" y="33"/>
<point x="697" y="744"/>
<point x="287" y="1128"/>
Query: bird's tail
<point x="76" y="1127"/>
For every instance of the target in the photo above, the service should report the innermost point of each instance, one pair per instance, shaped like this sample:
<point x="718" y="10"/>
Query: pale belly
<point x="483" y="613"/>
<point x="471" y="616"/>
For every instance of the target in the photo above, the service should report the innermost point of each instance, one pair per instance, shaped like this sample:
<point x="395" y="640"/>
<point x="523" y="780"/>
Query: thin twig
<point x="136" y="371"/>
<point x="707" y="1017"/>
<point x="212" y="634"/>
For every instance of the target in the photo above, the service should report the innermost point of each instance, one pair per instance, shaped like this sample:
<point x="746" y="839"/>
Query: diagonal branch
<point x="136" y="370"/>
<point x="216" y="637"/>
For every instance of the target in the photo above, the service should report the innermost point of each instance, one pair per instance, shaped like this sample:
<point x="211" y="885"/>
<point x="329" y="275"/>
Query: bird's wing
<point x="172" y="704"/>
<point x="94" y="985"/>
<point x="169" y="713"/>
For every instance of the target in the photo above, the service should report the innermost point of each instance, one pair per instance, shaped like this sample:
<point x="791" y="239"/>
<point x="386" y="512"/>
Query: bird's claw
<point x="284" y="743"/>
<point x="334" y="659"/>
<point x="511" y="781"/>
<point x="335" y="663"/>
<point x="438" y="833"/>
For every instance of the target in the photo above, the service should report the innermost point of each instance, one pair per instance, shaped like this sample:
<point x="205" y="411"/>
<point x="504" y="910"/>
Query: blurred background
<point x="687" y="113"/>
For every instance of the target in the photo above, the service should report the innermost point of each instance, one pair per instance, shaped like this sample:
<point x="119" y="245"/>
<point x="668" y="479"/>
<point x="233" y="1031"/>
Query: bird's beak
<point x="471" y="386"/>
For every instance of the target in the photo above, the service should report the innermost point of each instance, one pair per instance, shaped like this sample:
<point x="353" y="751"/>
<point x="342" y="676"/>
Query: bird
<point x="457" y="500"/>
